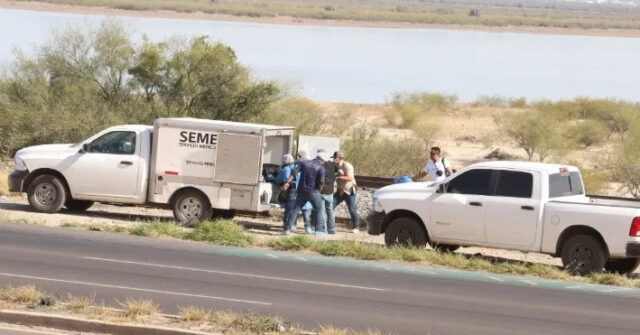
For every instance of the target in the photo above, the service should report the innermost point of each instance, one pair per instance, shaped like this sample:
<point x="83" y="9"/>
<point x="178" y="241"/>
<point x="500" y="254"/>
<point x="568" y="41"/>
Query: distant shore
<point x="288" y="20"/>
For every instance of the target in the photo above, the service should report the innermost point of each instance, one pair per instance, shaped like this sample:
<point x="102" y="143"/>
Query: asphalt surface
<point x="177" y="273"/>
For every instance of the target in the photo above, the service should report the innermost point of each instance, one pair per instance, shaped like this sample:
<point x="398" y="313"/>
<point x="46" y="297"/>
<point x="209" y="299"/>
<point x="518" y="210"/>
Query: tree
<point x="588" y="133"/>
<point x="148" y="69"/>
<point x="533" y="132"/>
<point x="205" y="80"/>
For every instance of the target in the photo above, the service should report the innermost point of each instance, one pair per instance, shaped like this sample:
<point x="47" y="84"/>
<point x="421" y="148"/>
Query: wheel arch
<point x="579" y="230"/>
<point x="404" y="213"/>
<point x="46" y="171"/>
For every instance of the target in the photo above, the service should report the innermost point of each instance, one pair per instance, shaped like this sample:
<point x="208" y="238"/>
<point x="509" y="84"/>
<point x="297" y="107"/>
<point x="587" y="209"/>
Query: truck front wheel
<point x="47" y="194"/>
<point x="622" y="266"/>
<point x="405" y="231"/>
<point x="191" y="207"/>
<point x="583" y="254"/>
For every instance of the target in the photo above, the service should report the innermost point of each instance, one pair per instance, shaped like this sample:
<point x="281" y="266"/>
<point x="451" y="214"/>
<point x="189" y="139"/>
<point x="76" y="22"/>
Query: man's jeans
<point x="288" y="207"/>
<point x="316" y="203"/>
<point x="330" y="221"/>
<point x="352" y="205"/>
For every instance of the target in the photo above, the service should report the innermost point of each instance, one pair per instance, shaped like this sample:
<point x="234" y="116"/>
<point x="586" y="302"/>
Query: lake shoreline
<point x="288" y="20"/>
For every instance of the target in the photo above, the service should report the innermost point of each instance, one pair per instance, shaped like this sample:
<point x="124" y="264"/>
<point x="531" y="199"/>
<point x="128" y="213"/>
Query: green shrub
<point x="405" y="110"/>
<point x="518" y="103"/>
<point x="221" y="232"/>
<point x="588" y="133"/>
<point x="491" y="101"/>
<point x="374" y="155"/>
<point x="306" y="116"/>
<point x="533" y="132"/>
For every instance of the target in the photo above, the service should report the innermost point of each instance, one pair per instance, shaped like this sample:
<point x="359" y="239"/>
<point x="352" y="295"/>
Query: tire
<point x="446" y="247"/>
<point x="622" y="266"/>
<point x="78" y="205"/>
<point x="191" y="207"/>
<point x="583" y="254"/>
<point x="405" y="231"/>
<point x="47" y="194"/>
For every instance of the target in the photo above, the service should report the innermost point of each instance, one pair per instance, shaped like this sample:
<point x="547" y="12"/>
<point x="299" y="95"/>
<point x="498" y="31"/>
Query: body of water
<point x="367" y="64"/>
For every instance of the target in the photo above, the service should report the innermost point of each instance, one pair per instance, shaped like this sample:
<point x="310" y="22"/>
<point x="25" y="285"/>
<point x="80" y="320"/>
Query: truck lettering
<point x="195" y="139"/>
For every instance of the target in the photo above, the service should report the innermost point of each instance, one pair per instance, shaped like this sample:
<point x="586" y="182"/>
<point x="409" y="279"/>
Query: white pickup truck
<point x="196" y="167"/>
<point x="513" y="205"/>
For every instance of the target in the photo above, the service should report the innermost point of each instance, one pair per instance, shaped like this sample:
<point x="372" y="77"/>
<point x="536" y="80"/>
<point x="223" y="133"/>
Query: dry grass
<point x="4" y="184"/>
<point x="28" y="294"/>
<point x="138" y="307"/>
<point x="196" y="314"/>
<point x="78" y="304"/>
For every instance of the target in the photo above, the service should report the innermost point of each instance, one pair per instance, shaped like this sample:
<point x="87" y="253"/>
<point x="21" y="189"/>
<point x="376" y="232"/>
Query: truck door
<point x="459" y="212"/>
<point x="108" y="170"/>
<point x="513" y="212"/>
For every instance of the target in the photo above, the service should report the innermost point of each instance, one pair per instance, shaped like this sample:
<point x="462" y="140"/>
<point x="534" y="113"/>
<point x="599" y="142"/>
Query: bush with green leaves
<point x="405" y="110"/>
<point x="82" y="81"/>
<point x="588" y="133"/>
<point x="532" y="132"/>
<point x="375" y="155"/>
<point x="306" y="116"/>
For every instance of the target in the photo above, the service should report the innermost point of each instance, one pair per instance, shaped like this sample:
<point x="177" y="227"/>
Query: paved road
<point x="176" y="273"/>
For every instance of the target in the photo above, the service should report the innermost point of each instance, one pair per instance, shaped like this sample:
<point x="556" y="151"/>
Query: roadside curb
<point x="89" y="326"/>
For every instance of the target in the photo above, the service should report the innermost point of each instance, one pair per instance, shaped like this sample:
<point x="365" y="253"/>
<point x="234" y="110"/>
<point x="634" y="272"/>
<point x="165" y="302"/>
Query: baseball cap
<point x="323" y="155"/>
<point x="338" y="154"/>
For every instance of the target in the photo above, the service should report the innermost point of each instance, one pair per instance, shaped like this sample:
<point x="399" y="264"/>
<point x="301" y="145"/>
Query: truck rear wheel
<point x="622" y="266"/>
<point x="191" y="207"/>
<point x="583" y="254"/>
<point x="405" y="231"/>
<point x="47" y="194"/>
<point x="79" y="205"/>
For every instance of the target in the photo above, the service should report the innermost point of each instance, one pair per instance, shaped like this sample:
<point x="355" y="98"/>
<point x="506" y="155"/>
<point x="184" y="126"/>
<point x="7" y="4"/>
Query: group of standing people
<point x="316" y="187"/>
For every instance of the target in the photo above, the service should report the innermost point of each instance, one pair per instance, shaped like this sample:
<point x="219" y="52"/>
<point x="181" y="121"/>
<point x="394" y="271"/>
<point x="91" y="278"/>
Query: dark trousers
<point x="352" y="205"/>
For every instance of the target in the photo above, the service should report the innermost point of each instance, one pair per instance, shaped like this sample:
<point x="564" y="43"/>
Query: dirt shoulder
<point x="290" y="20"/>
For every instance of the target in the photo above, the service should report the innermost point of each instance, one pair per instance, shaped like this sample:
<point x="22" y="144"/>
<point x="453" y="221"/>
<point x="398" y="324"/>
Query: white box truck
<point x="194" y="166"/>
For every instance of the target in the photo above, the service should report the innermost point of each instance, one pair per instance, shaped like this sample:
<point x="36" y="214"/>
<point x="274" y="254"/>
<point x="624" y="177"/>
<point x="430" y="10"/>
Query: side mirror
<point x="85" y="148"/>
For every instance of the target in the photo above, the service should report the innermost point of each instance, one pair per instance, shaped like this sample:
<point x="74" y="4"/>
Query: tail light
<point x="634" y="231"/>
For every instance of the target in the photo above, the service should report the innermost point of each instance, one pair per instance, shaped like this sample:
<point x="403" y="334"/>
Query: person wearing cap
<point x="437" y="168"/>
<point x="346" y="189"/>
<point x="326" y="193"/>
<point x="312" y="175"/>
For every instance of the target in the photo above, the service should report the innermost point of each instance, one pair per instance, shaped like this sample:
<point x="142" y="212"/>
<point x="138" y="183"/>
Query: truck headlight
<point x="19" y="164"/>
<point x="377" y="205"/>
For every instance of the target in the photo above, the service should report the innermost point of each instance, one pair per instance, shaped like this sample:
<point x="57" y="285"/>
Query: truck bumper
<point x="16" y="180"/>
<point x="633" y="249"/>
<point x="375" y="223"/>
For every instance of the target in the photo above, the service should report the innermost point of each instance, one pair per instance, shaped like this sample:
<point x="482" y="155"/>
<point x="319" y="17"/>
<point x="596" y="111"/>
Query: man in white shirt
<point x="436" y="168"/>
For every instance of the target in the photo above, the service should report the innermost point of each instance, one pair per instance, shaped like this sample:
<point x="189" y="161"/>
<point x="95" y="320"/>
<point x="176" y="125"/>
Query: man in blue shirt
<point x="312" y="174"/>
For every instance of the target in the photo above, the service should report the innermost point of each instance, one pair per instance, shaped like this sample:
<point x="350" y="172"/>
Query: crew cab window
<point x="471" y="182"/>
<point x="563" y="185"/>
<point x="514" y="184"/>
<point x="115" y="142"/>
